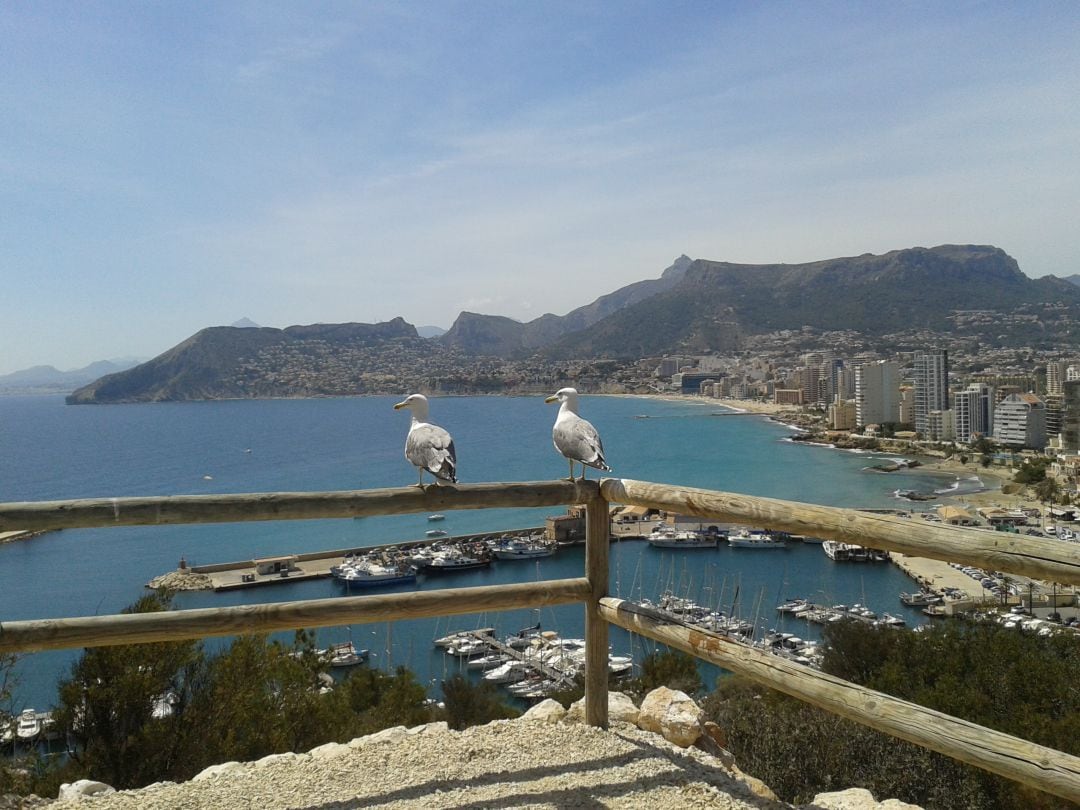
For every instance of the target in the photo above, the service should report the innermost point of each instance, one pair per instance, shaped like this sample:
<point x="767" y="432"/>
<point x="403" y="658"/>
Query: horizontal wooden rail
<point x="1041" y="558"/>
<point x="164" y="510"/>
<point x="175" y="625"/>
<point x="1035" y="765"/>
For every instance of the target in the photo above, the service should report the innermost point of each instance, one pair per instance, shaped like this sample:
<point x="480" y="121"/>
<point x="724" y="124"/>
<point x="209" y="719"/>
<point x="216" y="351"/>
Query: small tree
<point x="469" y="704"/>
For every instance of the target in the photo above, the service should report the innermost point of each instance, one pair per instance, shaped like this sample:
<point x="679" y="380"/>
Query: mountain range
<point x="50" y="380"/>
<point x="695" y="306"/>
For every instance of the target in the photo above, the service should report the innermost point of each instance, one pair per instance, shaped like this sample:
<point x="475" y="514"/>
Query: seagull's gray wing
<point x="577" y="439"/>
<point x="431" y="448"/>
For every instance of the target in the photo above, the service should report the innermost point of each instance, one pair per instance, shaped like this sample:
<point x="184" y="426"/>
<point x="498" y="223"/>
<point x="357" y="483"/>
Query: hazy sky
<point x="167" y="166"/>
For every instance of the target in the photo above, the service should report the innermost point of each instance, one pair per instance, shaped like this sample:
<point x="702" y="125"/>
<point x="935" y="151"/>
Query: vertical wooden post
<point x="597" y="546"/>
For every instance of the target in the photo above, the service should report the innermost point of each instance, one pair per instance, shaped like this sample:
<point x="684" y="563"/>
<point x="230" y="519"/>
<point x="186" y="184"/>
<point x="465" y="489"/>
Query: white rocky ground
<point x="546" y="759"/>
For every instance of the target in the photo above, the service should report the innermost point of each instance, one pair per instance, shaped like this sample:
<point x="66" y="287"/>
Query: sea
<point x="50" y="450"/>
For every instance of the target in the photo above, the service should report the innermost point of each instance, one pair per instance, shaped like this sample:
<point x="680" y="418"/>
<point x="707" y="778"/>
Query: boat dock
<point x="493" y="646"/>
<point x="287" y="568"/>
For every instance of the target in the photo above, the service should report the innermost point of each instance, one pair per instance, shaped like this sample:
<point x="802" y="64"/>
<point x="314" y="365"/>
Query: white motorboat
<point x="436" y="517"/>
<point x="522" y="548"/>
<point x="665" y="536"/>
<point x="28" y="726"/>
<point x="510" y="672"/>
<point x="744" y="538"/>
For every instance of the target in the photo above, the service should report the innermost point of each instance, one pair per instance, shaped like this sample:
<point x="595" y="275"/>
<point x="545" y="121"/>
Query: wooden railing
<point x="1038" y="766"/>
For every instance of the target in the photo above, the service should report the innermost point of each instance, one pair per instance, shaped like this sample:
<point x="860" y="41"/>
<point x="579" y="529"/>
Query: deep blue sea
<point x="49" y="450"/>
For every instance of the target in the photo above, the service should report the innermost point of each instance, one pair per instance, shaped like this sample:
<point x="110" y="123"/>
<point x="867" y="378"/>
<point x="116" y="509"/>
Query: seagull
<point x="428" y="447"/>
<point x="574" y="437"/>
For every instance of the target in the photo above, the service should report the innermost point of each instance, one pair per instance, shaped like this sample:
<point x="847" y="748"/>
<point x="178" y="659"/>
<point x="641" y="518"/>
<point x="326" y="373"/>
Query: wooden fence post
<point x="597" y="546"/>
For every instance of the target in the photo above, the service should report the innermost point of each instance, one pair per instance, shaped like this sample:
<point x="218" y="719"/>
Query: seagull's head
<point x="417" y="403"/>
<point x="568" y="395"/>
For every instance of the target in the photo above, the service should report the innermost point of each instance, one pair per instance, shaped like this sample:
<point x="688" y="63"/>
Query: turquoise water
<point x="52" y="451"/>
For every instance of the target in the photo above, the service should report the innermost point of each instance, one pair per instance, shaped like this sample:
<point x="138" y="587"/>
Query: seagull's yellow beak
<point x="400" y="405"/>
<point x="552" y="398"/>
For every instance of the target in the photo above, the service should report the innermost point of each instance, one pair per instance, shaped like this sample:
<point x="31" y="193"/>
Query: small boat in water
<point x="28" y="726"/>
<point x="445" y="562"/>
<point x="665" y="536"/>
<point x="435" y="533"/>
<point x="522" y="548"/>
<point x="369" y="574"/>
<point x="345" y="654"/>
<point x="436" y="517"/>
<point x="744" y="538"/>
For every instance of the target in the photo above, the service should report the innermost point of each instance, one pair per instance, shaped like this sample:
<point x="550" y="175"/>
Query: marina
<point x="298" y="445"/>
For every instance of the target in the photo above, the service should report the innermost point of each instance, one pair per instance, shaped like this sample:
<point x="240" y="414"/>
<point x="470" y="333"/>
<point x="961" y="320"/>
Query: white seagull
<point x="428" y="447"/>
<point x="574" y="437"/>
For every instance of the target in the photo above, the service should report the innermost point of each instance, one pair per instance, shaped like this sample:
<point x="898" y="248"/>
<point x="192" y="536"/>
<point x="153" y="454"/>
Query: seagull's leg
<point x="583" y="471"/>
<point x="420" y="480"/>
<point x="571" y="478"/>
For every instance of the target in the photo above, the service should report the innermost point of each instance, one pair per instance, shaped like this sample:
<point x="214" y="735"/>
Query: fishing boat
<point x="522" y="548"/>
<point x="435" y="533"/>
<point x="451" y="560"/>
<point x="665" y="536"/>
<point x="366" y="573"/>
<point x="436" y="517"/>
<point x="744" y="538"/>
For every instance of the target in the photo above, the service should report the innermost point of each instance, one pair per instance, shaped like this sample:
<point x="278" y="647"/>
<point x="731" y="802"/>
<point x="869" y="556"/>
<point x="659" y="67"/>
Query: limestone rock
<point x="329" y="750"/>
<point x="673" y="714"/>
<point x="217" y="770"/>
<point x="83" y="789"/>
<point x="546" y="711"/>
<point x="270" y="759"/>
<point x="857" y="799"/>
<point x="386" y="735"/>
<point x="620" y="709"/>
<point x="440" y="727"/>
<point x="756" y="786"/>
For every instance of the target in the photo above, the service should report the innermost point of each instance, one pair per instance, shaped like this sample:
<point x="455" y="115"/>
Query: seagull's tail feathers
<point x="598" y="463"/>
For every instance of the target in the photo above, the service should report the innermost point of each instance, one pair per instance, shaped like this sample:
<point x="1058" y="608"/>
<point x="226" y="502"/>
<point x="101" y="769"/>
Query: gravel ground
<point x="519" y="763"/>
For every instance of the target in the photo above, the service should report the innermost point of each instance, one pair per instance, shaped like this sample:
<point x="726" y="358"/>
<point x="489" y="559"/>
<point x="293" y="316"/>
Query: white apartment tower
<point x="1020" y="421"/>
<point x="931" y="386"/>
<point x="1055" y="377"/>
<point x="974" y="412"/>
<point x="877" y="392"/>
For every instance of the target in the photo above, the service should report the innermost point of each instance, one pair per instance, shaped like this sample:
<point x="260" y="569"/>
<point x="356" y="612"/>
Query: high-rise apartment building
<point x="1055" y="376"/>
<point x="973" y="410"/>
<point x="877" y="392"/>
<point x="1020" y="421"/>
<point x="931" y="386"/>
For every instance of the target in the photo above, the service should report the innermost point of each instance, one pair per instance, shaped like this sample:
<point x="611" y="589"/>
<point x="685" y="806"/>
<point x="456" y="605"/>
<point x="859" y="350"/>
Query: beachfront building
<point x="974" y="412"/>
<point x="931" y="387"/>
<point x="1020" y="421"/>
<point x="841" y="414"/>
<point x="940" y="426"/>
<point x="877" y="392"/>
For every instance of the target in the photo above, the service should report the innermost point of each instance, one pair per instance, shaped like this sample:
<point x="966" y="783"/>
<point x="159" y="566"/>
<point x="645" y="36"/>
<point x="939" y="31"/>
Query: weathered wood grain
<point x="597" y="546"/>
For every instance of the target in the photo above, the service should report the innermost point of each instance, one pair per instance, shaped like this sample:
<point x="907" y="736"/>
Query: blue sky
<point x="166" y="166"/>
